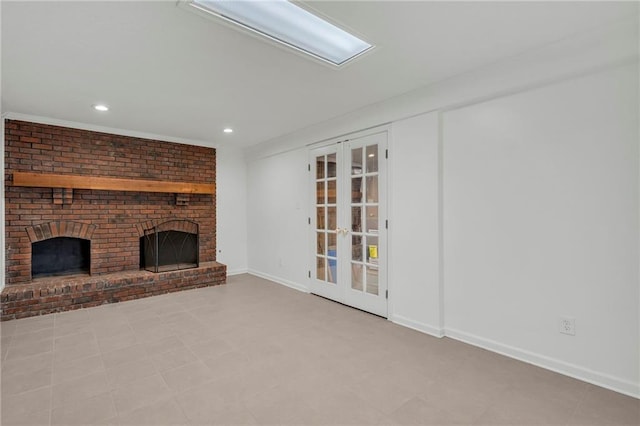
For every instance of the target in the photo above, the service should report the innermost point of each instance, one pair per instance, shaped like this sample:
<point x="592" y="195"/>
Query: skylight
<point x="291" y="25"/>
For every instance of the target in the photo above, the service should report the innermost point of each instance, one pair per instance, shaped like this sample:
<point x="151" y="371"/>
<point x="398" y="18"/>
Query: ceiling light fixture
<point x="291" y="25"/>
<point x="372" y="155"/>
<point x="228" y="130"/>
<point x="101" y="107"/>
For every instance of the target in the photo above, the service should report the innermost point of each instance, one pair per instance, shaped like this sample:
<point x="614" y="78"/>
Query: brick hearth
<point x="108" y="219"/>
<point x="58" y="294"/>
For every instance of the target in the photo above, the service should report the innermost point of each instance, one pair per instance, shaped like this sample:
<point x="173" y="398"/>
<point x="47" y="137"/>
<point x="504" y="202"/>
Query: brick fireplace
<point x="59" y="214"/>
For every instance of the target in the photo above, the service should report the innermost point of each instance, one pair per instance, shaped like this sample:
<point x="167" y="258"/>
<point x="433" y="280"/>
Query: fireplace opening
<point x="60" y="256"/>
<point x="170" y="246"/>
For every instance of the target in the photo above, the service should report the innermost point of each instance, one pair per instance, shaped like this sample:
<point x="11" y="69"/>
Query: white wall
<point x="541" y="221"/>
<point x="277" y="218"/>
<point x="567" y="222"/>
<point x="414" y="267"/>
<point x="231" y="209"/>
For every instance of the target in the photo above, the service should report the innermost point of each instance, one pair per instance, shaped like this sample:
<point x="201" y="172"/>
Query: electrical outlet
<point x="567" y="325"/>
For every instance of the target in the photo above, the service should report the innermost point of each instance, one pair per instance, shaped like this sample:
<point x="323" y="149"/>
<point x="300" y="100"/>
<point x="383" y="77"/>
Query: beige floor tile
<point x="226" y="416"/>
<point x="386" y="397"/>
<point x="197" y="335"/>
<point x="163" y="345"/>
<point x="71" y="322"/>
<point x="278" y="405"/>
<point x="29" y="325"/>
<point x="344" y="407"/>
<point x="516" y="407"/>
<point x="111" y="327"/>
<point x="227" y="364"/>
<point x="256" y="352"/>
<point x="123" y="339"/>
<point x="25" y="374"/>
<point x="113" y="358"/>
<point x="419" y="412"/>
<point x="173" y="359"/>
<point x="200" y="401"/>
<point x="5" y="341"/>
<point x="187" y="376"/>
<point x="16" y="407"/>
<point x="211" y="348"/>
<point x="150" y="331"/>
<point x="140" y="393"/>
<point x="135" y="370"/>
<point x="31" y="418"/>
<point x="23" y="349"/>
<point x="79" y="389"/>
<point x="65" y="355"/>
<point x="61" y="330"/>
<point x="608" y="407"/>
<point x="7" y="328"/>
<point x="97" y="410"/>
<point x="22" y="338"/>
<point x="165" y="412"/>
<point x="71" y="340"/>
<point x="454" y="394"/>
<point x="77" y="368"/>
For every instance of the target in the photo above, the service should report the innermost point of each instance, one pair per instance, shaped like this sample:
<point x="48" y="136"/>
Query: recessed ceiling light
<point x="372" y="155"/>
<point x="101" y="107"/>
<point x="228" y="130"/>
<point x="291" y="25"/>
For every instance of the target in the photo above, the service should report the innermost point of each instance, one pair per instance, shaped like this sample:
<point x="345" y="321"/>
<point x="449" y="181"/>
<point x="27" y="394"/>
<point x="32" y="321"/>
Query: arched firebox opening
<point x="170" y="245"/>
<point x="60" y="256"/>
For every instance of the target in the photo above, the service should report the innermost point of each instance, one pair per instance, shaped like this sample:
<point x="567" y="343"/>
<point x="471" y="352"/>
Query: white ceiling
<point x="167" y="71"/>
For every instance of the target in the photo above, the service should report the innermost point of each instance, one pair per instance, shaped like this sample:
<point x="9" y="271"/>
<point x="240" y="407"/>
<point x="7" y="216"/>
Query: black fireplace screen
<point x="170" y="246"/>
<point x="60" y="256"/>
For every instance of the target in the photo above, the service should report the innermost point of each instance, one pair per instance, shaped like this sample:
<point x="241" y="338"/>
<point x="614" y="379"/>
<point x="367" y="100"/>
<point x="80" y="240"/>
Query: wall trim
<point x="239" y="271"/>
<point x="104" y="129"/>
<point x="417" y="325"/>
<point x="284" y="282"/>
<point x="572" y="370"/>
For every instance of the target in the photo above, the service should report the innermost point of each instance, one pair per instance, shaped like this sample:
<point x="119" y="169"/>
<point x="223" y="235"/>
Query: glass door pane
<point x="364" y="219"/>
<point x="326" y="218"/>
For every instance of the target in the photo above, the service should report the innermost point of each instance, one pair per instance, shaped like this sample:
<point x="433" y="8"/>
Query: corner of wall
<point x="2" y="243"/>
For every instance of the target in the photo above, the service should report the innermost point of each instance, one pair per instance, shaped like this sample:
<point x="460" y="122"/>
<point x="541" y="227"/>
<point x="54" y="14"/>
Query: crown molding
<point x="104" y="129"/>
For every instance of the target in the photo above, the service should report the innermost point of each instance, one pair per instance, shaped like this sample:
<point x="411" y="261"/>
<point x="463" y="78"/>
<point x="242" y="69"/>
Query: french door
<point x="349" y="253"/>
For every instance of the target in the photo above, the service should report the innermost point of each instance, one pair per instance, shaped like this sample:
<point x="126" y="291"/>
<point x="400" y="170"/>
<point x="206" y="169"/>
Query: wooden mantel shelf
<point x="45" y="180"/>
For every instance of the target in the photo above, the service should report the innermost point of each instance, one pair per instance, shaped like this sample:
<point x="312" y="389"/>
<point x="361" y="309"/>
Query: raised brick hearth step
<point x="57" y="294"/>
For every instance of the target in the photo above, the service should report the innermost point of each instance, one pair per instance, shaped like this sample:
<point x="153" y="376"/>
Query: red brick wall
<point x="115" y="243"/>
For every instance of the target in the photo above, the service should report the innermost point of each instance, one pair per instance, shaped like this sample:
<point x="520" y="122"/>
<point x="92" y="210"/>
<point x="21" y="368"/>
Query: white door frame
<point x="342" y="292"/>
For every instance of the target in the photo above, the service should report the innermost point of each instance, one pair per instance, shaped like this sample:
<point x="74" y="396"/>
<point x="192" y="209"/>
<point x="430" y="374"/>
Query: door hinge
<point x="386" y="224"/>
<point x="386" y="153"/>
<point x="309" y="274"/>
<point x="386" y="294"/>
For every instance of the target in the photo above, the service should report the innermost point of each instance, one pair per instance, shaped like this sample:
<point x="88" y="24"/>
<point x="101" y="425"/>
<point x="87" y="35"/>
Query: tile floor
<point x="255" y="352"/>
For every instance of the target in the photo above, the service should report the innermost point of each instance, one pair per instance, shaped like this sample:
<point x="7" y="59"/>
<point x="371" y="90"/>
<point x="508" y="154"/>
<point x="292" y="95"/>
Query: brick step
<point x="57" y="294"/>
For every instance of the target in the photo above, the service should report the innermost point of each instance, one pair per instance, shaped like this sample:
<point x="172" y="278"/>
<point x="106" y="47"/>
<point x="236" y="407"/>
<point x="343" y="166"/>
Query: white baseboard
<point x="237" y="271"/>
<point x="599" y="379"/>
<point x="290" y="284"/>
<point x="416" y="325"/>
